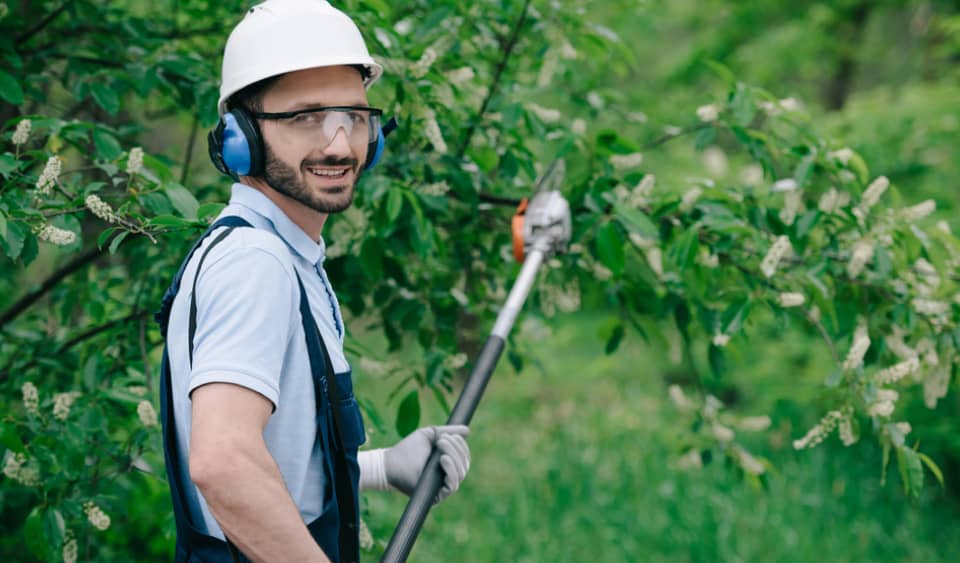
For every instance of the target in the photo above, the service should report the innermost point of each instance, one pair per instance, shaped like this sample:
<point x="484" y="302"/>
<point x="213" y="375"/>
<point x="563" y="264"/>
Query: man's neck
<point x="310" y="221"/>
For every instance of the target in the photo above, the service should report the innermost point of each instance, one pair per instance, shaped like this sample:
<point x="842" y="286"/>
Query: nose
<point x="340" y="144"/>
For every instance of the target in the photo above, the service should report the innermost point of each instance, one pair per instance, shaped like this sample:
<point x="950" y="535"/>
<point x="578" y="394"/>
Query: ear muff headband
<point x="374" y="151"/>
<point x="241" y="145"/>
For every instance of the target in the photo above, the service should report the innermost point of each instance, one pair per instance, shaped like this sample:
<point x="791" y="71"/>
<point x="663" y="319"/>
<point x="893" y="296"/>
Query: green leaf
<point x="105" y="236"/>
<point x="169" y="221"/>
<point x="182" y="200"/>
<point x="614" y="341"/>
<point x="10" y="438"/>
<point x="209" y="210"/>
<point x="10" y="89"/>
<point x="932" y="466"/>
<point x="373" y="414"/>
<point x="914" y="471"/>
<point x="16" y="235"/>
<point x="636" y="221"/>
<point x="108" y="148"/>
<point x="33" y="534"/>
<point x="54" y="527"/>
<point x="408" y="415"/>
<point x="718" y="361"/>
<point x="90" y="372"/>
<point x="117" y="240"/>
<point x="106" y="97"/>
<point x="8" y="164"/>
<point x="394" y="204"/>
<point x="705" y="137"/>
<point x="610" y="247"/>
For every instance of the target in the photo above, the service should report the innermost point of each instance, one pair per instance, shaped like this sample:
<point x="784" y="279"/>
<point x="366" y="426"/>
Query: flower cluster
<point x="708" y="113"/>
<point x="792" y="205"/>
<point x="461" y="75"/>
<point x="435" y="189"/>
<point x="548" y="68"/>
<point x="420" y="68"/>
<point x="626" y="161"/>
<point x="861" y="254"/>
<point x="15" y="467"/>
<point x="147" y="414"/>
<point x="22" y="133"/>
<point x="48" y="178"/>
<point x="100" y="208"/>
<point x="70" y="549"/>
<point x="31" y="397"/>
<point x="57" y="236"/>
<point x="546" y="115"/>
<point x="820" y="431"/>
<point x="787" y="300"/>
<point x="920" y="210"/>
<point x="690" y="198"/>
<point x="432" y="130"/>
<point x="135" y="161"/>
<point x="62" y="403"/>
<point x="778" y="250"/>
<point x="455" y="361"/>
<point x="871" y="196"/>
<point x="897" y="372"/>
<point x="97" y="517"/>
<point x="832" y="201"/>
<point x="845" y="431"/>
<point x="861" y="343"/>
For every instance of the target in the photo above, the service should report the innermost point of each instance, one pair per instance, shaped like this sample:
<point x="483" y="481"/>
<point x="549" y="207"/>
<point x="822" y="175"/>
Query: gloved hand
<point x="404" y="462"/>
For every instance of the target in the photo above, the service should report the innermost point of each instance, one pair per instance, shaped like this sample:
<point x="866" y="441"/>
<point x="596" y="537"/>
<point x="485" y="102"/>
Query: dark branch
<point x="41" y="24"/>
<point x="97" y="330"/>
<point x="498" y="74"/>
<point x="32" y="297"/>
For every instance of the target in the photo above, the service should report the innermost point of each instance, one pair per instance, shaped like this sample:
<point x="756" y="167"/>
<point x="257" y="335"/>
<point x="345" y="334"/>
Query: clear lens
<point x="359" y="125"/>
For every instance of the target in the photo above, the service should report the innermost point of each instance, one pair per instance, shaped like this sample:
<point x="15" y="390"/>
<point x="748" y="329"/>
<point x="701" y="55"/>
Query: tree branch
<point x="25" y="36"/>
<point x="498" y="74"/>
<point x="56" y="277"/>
<point x="97" y="330"/>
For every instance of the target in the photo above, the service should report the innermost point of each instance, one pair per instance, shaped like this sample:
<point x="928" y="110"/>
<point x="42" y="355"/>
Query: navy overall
<point x="339" y="429"/>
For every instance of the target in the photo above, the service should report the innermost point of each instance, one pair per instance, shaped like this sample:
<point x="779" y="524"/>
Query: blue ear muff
<point x="375" y="150"/>
<point x="236" y="147"/>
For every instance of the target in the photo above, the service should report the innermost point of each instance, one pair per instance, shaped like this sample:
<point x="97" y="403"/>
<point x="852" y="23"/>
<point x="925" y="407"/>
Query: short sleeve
<point x="245" y="314"/>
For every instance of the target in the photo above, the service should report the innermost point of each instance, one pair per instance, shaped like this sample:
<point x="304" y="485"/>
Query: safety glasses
<point x="360" y="123"/>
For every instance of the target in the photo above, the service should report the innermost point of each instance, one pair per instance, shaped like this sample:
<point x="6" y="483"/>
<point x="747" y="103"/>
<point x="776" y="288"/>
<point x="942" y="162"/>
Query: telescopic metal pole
<point x="548" y="228"/>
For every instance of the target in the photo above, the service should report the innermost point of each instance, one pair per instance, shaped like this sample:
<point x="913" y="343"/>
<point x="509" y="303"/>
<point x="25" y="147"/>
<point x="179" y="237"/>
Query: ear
<point x="242" y="146"/>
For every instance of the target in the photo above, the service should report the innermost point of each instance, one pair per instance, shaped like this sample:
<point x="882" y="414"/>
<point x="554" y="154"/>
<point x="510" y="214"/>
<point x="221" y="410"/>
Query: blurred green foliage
<point x="719" y="101"/>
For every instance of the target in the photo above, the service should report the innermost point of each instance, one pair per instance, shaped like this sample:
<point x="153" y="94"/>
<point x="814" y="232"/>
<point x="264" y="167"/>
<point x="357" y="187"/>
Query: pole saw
<point x="541" y="229"/>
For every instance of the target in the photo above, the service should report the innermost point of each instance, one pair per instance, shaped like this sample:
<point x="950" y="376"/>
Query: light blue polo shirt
<point x="249" y="333"/>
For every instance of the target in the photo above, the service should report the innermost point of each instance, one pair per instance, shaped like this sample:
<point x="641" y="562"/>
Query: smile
<point x="328" y="172"/>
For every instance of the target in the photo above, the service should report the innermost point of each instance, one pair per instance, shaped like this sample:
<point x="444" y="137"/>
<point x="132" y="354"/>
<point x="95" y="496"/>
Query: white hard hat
<point x="280" y="36"/>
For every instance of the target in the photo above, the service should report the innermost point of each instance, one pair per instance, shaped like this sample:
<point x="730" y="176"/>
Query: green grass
<point x="573" y="463"/>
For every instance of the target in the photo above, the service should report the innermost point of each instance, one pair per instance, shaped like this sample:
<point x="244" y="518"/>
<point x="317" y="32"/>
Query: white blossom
<point x="57" y="236"/>
<point x="930" y="307"/>
<point x="928" y="351"/>
<point x="139" y="390"/>
<point x="755" y="423"/>
<point x="898" y="371"/>
<point x="22" y="134"/>
<point x="567" y="51"/>
<point x="62" y="403"/>
<point x="147" y="414"/>
<point x="861" y="343"/>
<point x="845" y="431"/>
<point x="547" y="69"/>
<point x="790" y="104"/>
<point x="403" y="26"/>
<point x="135" y="161"/>
<point x="790" y="299"/>
<point x="626" y="161"/>
<point x="881" y="408"/>
<point x="715" y="161"/>
<point x="637" y="117"/>
<point x="748" y="463"/>
<point x="655" y="260"/>
<point x="595" y="100"/>
<point x="944" y="226"/>
<point x="895" y="343"/>
<point x="792" y="205"/>
<point x="832" y="201"/>
<point x="820" y="431"/>
<point x="873" y="193"/>
<point x="420" y="68"/>
<point x="461" y="75"/>
<point x="371" y="366"/>
<point x="785" y="185"/>
<point x="435" y="189"/>
<point x="920" y="210"/>
<point x="16" y="467"/>
<point x="31" y="397"/>
<point x="708" y="113"/>
<point x="722" y="433"/>
<point x="752" y="175"/>
<point x="904" y="427"/>
<point x="721" y="339"/>
<point x="707" y="259"/>
<point x="100" y="208"/>
<point x="97" y="517"/>
<point x="690" y="198"/>
<point x="935" y="384"/>
<point x="638" y="197"/>
<point x="366" y="537"/>
<point x="547" y="115"/>
<point x="843" y="155"/>
<point x="861" y="254"/>
<point x="778" y="250"/>
<point x="48" y="178"/>
<point x="887" y="395"/>
<point x="455" y="361"/>
<point x="578" y="126"/>
<point x="432" y="131"/>
<point x="690" y="460"/>
<point x="70" y="549"/>
<point x="679" y="399"/>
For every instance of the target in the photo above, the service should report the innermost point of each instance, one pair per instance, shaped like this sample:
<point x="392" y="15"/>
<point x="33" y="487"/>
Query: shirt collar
<point x="254" y="200"/>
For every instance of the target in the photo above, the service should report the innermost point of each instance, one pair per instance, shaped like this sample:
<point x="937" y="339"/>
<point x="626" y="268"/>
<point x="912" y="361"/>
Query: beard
<point x="288" y="181"/>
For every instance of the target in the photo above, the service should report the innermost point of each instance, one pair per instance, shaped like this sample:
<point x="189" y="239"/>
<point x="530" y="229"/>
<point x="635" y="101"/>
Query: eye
<point x="358" y="117"/>
<point x="305" y="119"/>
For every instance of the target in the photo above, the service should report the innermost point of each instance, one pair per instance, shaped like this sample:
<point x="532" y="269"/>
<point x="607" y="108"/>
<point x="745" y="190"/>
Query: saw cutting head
<point x="544" y="222"/>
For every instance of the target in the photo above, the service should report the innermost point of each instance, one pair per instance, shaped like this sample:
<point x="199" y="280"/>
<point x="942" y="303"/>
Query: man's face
<point x="305" y="168"/>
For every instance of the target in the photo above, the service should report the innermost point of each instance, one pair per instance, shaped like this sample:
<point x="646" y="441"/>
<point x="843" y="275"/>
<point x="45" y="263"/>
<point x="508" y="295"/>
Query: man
<point x="261" y="429"/>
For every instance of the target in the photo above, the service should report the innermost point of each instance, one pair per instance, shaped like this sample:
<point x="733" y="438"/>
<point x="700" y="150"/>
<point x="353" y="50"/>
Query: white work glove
<point x="399" y="467"/>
